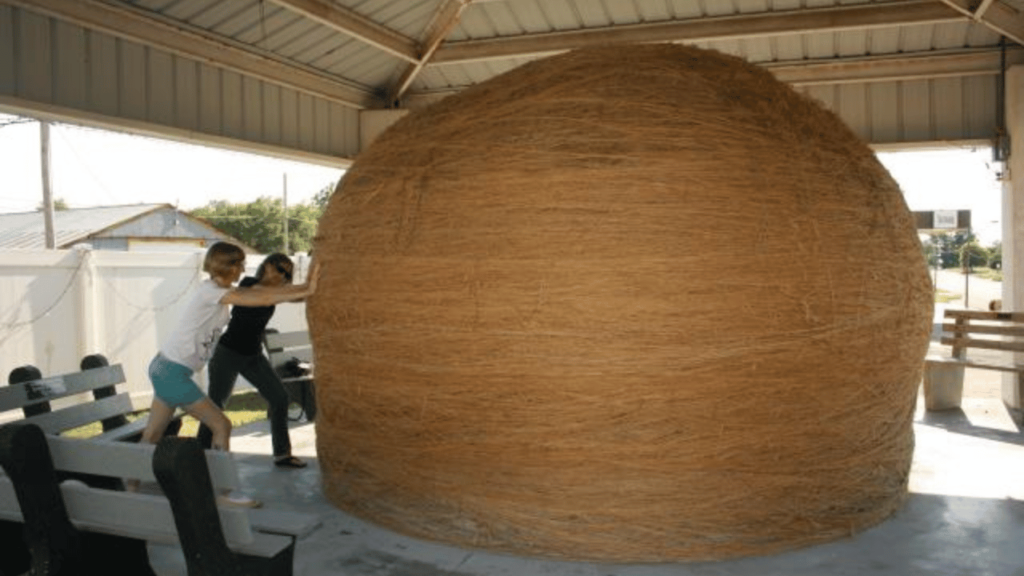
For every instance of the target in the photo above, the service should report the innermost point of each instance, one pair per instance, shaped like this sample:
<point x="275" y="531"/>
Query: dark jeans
<point x="224" y="368"/>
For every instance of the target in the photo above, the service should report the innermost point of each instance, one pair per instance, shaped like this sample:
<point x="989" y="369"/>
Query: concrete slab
<point x="965" y="514"/>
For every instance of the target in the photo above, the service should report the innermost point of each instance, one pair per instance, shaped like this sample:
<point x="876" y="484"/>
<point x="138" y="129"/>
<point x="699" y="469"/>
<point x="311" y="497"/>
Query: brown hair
<point x="281" y="261"/>
<point x="221" y="258"/>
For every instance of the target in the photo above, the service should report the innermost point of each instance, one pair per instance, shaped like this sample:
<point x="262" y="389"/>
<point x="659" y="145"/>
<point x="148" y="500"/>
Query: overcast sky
<point x="95" y="167"/>
<point x="951" y="179"/>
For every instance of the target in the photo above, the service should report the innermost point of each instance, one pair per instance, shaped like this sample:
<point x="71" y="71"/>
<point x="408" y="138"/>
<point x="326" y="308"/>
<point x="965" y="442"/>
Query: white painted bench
<point x="290" y="353"/>
<point x="214" y="539"/>
<point x="964" y="330"/>
<point x="33" y="396"/>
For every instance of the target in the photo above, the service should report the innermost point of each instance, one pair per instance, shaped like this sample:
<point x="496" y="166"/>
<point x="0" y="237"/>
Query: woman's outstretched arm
<point x="270" y="295"/>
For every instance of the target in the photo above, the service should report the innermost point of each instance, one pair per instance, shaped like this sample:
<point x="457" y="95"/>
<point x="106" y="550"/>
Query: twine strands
<point x="632" y="303"/>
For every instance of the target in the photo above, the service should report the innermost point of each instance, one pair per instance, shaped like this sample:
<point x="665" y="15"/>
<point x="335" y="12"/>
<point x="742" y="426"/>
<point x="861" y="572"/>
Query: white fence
<point x="57" y="306"/>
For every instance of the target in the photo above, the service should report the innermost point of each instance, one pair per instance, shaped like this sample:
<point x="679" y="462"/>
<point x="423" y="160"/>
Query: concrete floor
<point x="965" y="514"/>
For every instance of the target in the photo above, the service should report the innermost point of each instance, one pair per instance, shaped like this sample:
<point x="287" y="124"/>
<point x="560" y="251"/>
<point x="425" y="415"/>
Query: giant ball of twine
<point x="631" y="303"/>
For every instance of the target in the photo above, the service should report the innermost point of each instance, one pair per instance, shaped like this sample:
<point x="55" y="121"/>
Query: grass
<point x="241" y="409"/>
<point x="943" y="296"/>
<point x="982" y="272"/>
<point x="988" y="274"/>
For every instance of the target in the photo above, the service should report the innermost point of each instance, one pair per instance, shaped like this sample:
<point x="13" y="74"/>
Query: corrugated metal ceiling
<point x="371" y="44"/>
<point x="296" y="74"/>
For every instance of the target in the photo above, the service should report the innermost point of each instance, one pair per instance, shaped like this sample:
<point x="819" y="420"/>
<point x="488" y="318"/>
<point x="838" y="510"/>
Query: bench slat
<point x="133" y="430"/>
<point x="120" y="433"/>
<point x="968" y="363"/>
<point x="277" y="359"/>
<point x="984" y="315"/>
<point x="295" y="339"/>
<point x="960" y="335"/>
<point x="1008" y="346"/>
<point x="1000" y="329"/>
<point x="140" y="516"/>
<point x="147" y="517"/>
<point x="282" y="347"/>
<point x="77" y="415"/>
<point x="54" y="387"/>
<point x="992" y="366"/>
<point x="130" y="460"/>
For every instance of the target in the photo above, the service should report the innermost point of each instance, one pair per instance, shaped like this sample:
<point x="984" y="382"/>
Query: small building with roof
<point x="138" y="227"/>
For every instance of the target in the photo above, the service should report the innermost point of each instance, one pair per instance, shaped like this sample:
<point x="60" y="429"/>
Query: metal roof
<point x="26" y="230"/>
<point x="401" y="48"/>
<point x="295" y="65"/>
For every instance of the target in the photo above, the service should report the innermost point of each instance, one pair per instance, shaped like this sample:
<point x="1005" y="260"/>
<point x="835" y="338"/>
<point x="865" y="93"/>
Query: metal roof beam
<point x="130" y="23"/>
<point x="446" y="17"/>
<point x="925" y="66"/>
<point x="706" y="29"/>
<point x="930" y="65"/>
<point x="356" y="25"/>
<point x="997" y="15"/>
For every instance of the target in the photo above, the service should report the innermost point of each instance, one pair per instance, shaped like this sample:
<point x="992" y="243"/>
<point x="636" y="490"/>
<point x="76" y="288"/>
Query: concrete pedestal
<point x="943" y="383"/>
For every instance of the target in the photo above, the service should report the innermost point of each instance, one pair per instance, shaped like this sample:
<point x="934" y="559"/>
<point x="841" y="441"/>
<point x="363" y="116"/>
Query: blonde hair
<point x="221" y="258"/>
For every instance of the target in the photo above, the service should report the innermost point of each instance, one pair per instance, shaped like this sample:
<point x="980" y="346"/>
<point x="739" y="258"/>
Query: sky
<point x="92" y="167"/>
<point x="961" y="178"/>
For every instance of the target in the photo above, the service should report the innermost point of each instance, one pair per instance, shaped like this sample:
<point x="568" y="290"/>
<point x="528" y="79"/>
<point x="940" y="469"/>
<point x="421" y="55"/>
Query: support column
<point x="88" y="339"/>
<point x="1013" y="221"/>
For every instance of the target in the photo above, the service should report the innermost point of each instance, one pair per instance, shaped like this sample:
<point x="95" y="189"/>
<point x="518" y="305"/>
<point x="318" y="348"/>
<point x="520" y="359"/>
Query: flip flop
<point x="289" y="462"/>
<point x="237" y="500"/>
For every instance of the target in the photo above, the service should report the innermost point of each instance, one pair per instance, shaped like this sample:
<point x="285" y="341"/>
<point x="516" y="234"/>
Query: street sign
<point x="943" y="220"/>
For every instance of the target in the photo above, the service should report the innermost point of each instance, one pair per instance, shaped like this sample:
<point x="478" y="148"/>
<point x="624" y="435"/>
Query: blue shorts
<point x="172" y="382"/>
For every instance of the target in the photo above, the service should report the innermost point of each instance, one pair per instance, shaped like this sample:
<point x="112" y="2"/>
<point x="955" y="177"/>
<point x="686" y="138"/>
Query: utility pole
<point x="966" y="254"/>
<point x="286" y="213"/>
<point x="44" y="144"/>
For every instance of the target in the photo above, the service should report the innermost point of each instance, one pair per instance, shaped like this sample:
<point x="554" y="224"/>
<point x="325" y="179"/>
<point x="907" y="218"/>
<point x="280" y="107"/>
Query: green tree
<point x="930" y="250"/>
<point x="995" y="255"/>
<point x="260" y="224"/>
<point x="321" y="198"/>
<point x="972" y="254"/>
<point x="948" y="247"/>
<point x="58" y="205"/>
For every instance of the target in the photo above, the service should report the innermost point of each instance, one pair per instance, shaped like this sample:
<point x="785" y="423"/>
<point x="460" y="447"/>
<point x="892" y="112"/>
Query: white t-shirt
<point x="193" y="339"/>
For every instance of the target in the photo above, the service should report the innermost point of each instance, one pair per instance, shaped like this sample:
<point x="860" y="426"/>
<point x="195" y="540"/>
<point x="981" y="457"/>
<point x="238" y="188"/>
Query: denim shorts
<point x="172" y="382"/>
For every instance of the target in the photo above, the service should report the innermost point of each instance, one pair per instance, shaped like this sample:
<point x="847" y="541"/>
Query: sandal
<point x="289" y="462"/>
<point x="234" y="499"/>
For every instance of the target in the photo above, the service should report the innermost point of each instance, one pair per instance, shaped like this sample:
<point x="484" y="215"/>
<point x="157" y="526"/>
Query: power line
<point x="15" y="120"/>
<point x="87" y="167"/>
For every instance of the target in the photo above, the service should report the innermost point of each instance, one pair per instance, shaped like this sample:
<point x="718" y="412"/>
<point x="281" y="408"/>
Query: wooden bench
<point x="103" y="531"/>
<point x="963" y="330"/>
<point x="33" y="394"/>
<point x="291" y="355"/>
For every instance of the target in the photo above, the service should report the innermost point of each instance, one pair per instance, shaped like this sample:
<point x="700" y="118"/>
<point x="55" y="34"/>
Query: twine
<point x="634" y="303"/>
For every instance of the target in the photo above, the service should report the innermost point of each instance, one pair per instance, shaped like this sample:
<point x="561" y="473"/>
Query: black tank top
<point x="245" y="329"/>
